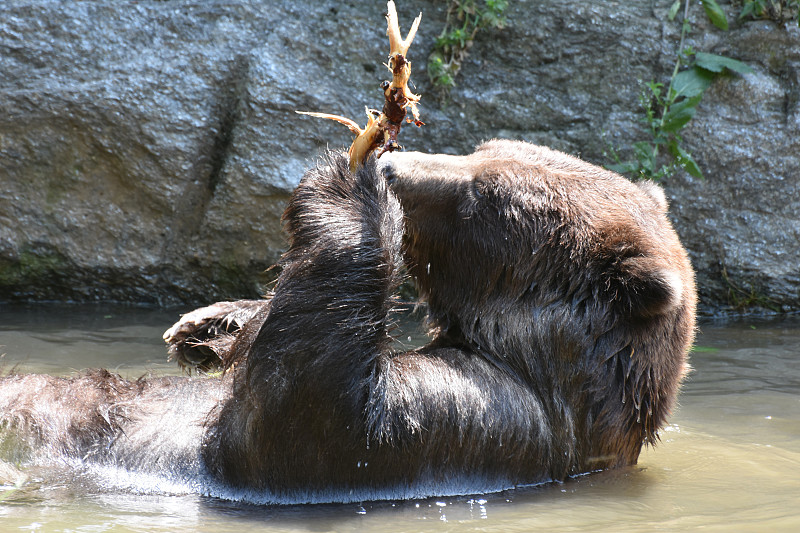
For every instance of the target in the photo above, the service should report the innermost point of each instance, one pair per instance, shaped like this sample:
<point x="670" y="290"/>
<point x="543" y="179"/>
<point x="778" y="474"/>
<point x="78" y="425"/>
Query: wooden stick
<point x="382" y="129"/>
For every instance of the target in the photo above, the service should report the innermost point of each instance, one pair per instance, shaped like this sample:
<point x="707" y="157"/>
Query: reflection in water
<point x="730" y="460"/>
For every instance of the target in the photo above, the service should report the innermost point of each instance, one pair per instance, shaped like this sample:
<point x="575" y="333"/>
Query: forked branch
<point x="382" y="128"/>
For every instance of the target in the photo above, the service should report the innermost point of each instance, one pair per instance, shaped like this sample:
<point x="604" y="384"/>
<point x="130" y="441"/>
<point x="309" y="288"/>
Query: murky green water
<point x="730" y="460"/>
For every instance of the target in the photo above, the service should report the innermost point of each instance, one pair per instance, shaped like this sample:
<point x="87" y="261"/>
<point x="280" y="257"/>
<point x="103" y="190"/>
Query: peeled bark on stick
<point x="382" y="128"/>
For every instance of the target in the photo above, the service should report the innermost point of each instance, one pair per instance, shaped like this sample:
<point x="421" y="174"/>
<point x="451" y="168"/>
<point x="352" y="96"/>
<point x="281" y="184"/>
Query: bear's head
<point x="566" y="273"/>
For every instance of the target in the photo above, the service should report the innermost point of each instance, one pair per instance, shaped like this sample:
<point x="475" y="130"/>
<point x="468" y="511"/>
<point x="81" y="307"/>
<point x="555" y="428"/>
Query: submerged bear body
<point x="561" y="307"/>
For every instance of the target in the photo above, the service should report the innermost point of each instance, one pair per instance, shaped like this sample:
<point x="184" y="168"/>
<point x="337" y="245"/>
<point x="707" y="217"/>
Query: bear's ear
<point x="646" y="287"/>
<point x="655" y="192"/>
<point x="640" y="282"/>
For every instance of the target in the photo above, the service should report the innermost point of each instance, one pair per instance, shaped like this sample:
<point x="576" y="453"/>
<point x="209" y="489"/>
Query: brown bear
<point x="561" y="305"/>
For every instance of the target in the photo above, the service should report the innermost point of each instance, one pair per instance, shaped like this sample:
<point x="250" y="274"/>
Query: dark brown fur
<point x="566" y="273"/>
<point x="562" y="307"/>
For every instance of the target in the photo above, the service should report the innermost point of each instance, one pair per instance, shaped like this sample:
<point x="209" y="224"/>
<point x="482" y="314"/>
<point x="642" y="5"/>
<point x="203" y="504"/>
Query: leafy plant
<point x="465" y="18"/>
<point x="668" y="111"/>
<point x="780" y="10"/>
<point x="740" y="299"/>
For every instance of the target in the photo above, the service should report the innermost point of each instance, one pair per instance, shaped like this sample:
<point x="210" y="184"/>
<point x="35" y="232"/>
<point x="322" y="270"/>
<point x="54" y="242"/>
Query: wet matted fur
<point x="561" y="306"/>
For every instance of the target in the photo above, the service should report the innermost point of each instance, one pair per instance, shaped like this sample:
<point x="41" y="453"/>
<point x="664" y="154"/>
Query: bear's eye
<point x="389" y="174"/>
<point x="480" y="188"/>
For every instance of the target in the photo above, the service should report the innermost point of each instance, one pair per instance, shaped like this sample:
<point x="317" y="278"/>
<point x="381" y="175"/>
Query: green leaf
<point x="716" y="63"/>
<point x="685" y="160"/>
<point x="679" y="114"/>
<point x="673" y="11"/>
<point x="716" y="14"/>
<point x="643" y="151"/>
<point x="673" y="123"/>
<point x="686" y="103"/>
<point x="655" y="88"/>
<point x="629" y="167"/>
<point x="748" y="9"/>
<point x="704" y="349"/>
<point x="690" y="83"/>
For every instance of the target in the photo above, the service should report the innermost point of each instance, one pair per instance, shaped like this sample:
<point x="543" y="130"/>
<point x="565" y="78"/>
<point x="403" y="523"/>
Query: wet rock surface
<point x="147" y="150"/>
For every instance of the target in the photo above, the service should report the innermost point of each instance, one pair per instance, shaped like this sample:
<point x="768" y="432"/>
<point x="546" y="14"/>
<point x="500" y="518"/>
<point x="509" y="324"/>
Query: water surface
<point x="729" y="460"/>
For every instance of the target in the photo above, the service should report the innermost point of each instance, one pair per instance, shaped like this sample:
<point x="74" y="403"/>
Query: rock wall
<point x="147" y="149"/>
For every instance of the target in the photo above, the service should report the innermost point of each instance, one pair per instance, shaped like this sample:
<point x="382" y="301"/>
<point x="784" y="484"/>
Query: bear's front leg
<point x="299" y="398"/>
